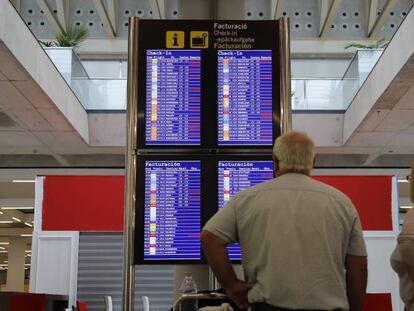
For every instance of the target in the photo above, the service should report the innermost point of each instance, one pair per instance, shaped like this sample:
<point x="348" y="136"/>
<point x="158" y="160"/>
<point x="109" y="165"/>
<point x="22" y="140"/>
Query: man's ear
<point x="275" y="164"/>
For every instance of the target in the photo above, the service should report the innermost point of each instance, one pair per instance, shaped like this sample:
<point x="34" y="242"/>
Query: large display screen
<point x="172" y="210"/>
<point x="173" y="82"/>
<point x="235" y="176"/>
<point x="244" y="97"/>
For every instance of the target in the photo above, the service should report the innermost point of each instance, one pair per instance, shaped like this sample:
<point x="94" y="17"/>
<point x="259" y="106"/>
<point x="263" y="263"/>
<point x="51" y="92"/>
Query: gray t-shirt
<point x="404" y="254"/>
<point x="294" y="233"/>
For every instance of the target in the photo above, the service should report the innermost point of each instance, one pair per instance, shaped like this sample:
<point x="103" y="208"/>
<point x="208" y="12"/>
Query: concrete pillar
<point x="16" y="258"/>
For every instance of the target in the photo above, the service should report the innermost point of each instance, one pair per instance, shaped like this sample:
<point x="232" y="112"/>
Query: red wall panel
<point x="83" y="203"/>
<point x="378" y="302"/>
<point x="95" y="203"/>
<point x="371" y="196"/>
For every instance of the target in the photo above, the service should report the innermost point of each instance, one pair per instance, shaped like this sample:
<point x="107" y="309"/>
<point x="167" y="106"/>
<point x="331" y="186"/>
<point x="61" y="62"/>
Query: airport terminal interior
<point x="63" y="112"/>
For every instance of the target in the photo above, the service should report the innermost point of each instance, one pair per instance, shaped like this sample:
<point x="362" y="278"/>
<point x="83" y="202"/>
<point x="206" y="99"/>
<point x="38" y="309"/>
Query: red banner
<point x="83" y="203"/>
<point x="371" y="196"/>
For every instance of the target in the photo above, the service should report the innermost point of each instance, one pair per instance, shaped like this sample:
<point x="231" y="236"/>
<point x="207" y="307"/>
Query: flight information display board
<point x="173" y="79"/>
<point x="245" y="97"/>
<point x="235" y="176"/>
<point x="172" y="210"/>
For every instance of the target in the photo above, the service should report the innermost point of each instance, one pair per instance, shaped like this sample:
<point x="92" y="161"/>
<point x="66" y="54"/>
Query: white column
<point x="16" y="258"/>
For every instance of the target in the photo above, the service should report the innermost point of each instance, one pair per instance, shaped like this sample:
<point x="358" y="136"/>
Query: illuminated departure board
<point x="173" y="80"/>
<point x="235" y="176"/>
<point x="172" y="210"/>
<point x="245" y="97"/>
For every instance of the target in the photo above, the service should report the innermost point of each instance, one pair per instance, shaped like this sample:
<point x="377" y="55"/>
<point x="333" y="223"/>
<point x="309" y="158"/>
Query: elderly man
<point x="402" y="259"/>
<point x="301" y="240"/>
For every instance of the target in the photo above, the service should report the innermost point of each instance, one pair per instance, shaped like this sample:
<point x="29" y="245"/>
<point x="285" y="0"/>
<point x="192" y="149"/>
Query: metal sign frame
<point x="131" y="147"/>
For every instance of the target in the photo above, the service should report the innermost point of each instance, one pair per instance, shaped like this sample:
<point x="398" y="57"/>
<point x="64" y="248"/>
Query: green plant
<point x="380" y="44"/>
<point x="72" y="37"/>
<point x="47" y="43"/>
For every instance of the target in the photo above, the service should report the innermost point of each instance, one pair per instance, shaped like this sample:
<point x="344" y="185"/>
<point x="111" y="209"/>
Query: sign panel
<point x="208" y="85"/>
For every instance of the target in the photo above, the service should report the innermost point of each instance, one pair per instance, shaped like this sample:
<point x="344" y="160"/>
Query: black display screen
<point x="172" y="210"/>
<point x="244" y="98"/>
<point x="173" y="80"/>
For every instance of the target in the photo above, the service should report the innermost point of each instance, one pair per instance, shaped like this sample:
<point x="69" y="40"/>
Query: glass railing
<point x="337" y="93"/>
<point x="323" y="94"/>
<point x="93" y="94"/>
<point x="101" y="94"/>
<point x="307" y="94"/>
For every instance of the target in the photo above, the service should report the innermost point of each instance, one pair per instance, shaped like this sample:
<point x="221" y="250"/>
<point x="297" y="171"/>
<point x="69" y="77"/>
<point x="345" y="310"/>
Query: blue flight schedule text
<point x="235" y="176"/>
<point x="245" y="97"/>
<point x="173" y="97"/>
<point x="172" y="212"/>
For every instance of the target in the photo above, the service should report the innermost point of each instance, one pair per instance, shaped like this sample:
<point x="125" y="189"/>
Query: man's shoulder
<point x="331" y="191"/>
<point x="298" y="183"/>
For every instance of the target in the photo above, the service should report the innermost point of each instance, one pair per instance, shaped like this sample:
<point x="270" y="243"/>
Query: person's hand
<point x="238" y="293"/>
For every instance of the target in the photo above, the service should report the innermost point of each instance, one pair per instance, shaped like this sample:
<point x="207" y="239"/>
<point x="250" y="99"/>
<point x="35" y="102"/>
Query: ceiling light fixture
<point x="2" y="248"/>
<point x="6" y="222"/>
<point x="4" y="243"/>
<point x="23" y="180"/>
<point x="406" y="207"/>
<point x="403" y="180"/>
<point x="17" y="207"/>
<point x="27" y="224"/>
<point x="16" y="219"/>
<point x="25" y="235"/>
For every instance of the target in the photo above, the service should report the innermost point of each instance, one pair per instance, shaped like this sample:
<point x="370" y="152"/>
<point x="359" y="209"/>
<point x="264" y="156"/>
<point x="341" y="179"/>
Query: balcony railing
<point x="307" y="94"/>
<point x="334" y="94"/>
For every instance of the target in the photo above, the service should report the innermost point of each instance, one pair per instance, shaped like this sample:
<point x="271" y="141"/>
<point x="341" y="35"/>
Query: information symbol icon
<point x="174" y="39"/>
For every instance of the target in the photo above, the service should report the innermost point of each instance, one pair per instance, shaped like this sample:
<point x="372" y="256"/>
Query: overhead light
<point x="6" y="222"/>
<point x="17" y="207"/>
<point x="3" y="251"/>
<point x="27" y="224"/>
<point x="3" y="248"/>
<point x="23" y="180"/>
<point x="16" y="219"/>
<point x="25" y="235"/>
<point x="27" y="264"/>
<point x="1" y="213"/>
<point x="403" y="180"/>
<point x="28" y="251"/>
<point x="406" y="207"/>
<point x="4" y="243"/>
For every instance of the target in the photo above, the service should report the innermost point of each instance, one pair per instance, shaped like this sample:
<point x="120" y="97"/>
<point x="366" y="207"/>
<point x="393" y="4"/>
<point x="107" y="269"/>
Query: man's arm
<point x="356" y="281"/>
<point x="216" y="253"/>
<point x="407" y="255"/>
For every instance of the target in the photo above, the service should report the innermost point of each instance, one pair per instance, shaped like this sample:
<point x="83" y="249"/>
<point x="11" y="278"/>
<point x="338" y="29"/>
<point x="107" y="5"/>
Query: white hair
<point x="294" y="151"/>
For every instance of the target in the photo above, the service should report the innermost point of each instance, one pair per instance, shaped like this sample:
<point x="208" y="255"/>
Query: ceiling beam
<point x="17" y="4"/>
<point x="62" y="7"/>
<point x="112" y="9"/>
<point x="372" y="7"/>
<point x="380" y="22"/>
<point x="276" y="8"/>
<point x="110" y="29"/>
<point x="323" y="9"/>
<point x="54" y="23"/>
<point x="330" y="17"/>
<point x="158" y="8"/>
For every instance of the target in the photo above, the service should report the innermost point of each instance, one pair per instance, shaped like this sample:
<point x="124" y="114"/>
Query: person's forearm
<point x="216" y="253"/>
<point x="356" y="283"/>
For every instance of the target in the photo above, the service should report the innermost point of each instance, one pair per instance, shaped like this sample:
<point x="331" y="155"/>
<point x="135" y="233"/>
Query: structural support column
<point x="16" y="258"/>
